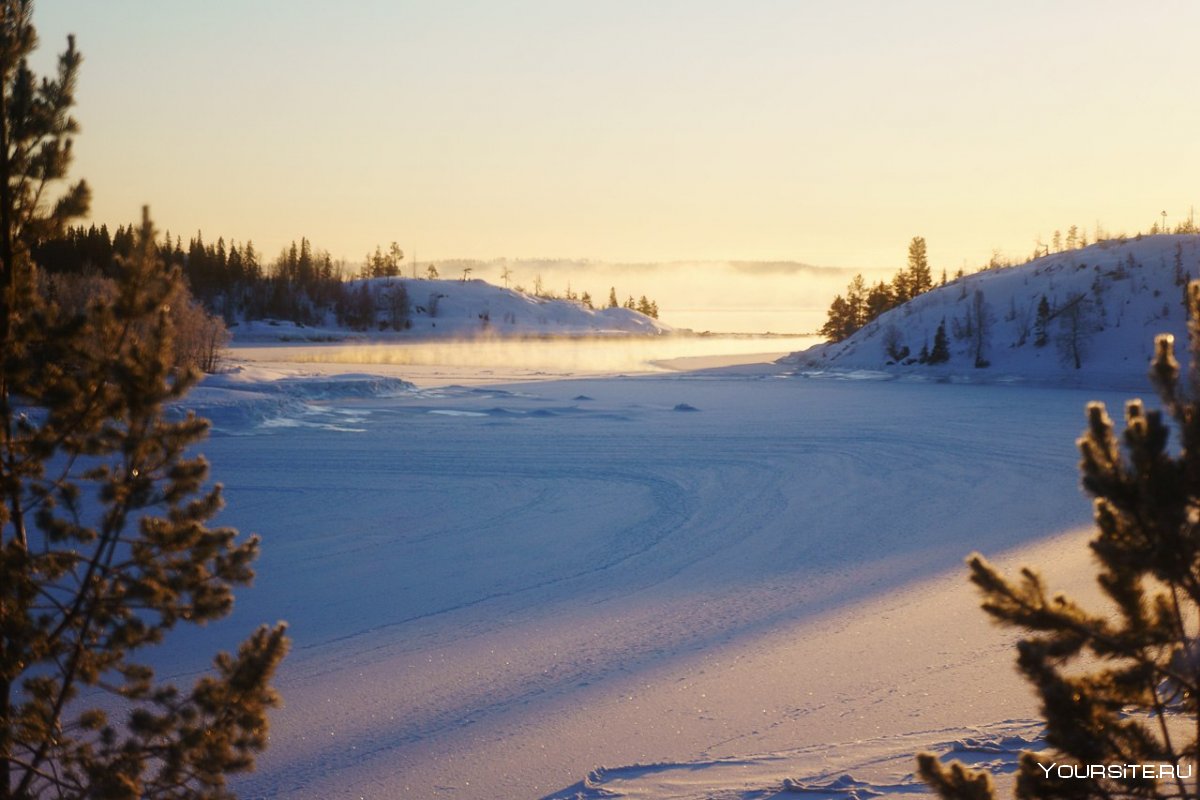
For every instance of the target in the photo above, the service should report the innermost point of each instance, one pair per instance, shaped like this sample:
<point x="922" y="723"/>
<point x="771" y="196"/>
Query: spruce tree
<point x="1041" y="330"/>
<point x="1119" y="687"/>
<point x="941" y="345"/>
<point x="104" y="543"/>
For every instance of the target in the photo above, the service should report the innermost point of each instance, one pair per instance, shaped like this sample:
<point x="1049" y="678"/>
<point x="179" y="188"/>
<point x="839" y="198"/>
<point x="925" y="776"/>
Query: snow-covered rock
<point x="463" y="309"/>
<point x="1128" y="292"/>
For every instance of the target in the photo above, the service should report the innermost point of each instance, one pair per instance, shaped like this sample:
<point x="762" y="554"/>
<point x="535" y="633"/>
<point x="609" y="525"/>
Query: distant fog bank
<point x="718" y="296"/>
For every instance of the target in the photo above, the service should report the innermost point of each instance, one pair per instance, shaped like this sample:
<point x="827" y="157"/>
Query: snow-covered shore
<point x="407" y="309"/>
<point x="1104" y="305"/>
<point x="723" y="583"/>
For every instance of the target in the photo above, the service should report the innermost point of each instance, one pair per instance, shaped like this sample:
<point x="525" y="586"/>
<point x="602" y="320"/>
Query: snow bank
<point x="247" y="399"/>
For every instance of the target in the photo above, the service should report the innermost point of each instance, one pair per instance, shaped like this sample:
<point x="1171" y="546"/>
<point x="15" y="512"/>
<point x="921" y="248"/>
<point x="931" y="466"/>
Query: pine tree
<point x="920" y="279"/>
<point x="104" y="546"/>
<point x="902" y="288"/>
<point x="1121" y="686"/>
<point x="856" y="302"/>
<point x="81" y="595"/>
<point x="839" y="322"/>
<point x="612" y="297"/>
<point x="859" y="306"/>
<point x="879" y="300"/>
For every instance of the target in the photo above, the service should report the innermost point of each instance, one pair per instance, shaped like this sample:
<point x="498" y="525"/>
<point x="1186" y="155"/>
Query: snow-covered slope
<point x="454" y="308"/>
<point x="1107" y="302"/>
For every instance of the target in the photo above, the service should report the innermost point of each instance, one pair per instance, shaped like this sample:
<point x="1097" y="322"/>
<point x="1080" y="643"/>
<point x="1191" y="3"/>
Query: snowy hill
<point x="454" y="308"/>
<point x="1104" y="306"/>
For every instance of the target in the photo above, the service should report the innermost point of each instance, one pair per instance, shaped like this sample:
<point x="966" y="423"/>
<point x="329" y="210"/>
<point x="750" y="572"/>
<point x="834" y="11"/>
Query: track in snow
<point x="494" y="592"/>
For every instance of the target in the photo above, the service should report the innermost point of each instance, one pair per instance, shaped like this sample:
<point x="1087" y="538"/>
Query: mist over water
<point x="738" y="302"/>
<point x="745" y="320"/>
<point x="718" y="296"/>
<point x="569" y="355"/>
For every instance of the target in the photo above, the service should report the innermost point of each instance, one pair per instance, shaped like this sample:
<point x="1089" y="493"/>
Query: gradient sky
<point x="823" y="132"/>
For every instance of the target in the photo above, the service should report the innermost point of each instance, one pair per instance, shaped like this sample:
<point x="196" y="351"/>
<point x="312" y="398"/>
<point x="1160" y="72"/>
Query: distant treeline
<point x="230" y="280"/>
<point x="301" y="284"/>
<point x="861" y="303"/>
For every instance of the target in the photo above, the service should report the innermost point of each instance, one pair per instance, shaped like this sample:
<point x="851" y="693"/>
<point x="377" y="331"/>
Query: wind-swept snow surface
<point x="683" y="586"/>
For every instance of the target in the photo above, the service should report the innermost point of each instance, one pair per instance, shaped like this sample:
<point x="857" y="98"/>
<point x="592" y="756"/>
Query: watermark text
<point x="1117" y="771"/>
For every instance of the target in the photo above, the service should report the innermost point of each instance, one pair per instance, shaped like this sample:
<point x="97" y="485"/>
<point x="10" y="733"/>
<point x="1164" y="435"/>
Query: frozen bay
<point x="734" y="576"/>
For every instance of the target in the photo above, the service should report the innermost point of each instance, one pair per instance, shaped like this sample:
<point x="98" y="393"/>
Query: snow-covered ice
<point x="568" y="588"/>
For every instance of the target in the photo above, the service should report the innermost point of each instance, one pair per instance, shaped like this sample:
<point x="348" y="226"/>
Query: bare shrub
<point x="200" y="337"/>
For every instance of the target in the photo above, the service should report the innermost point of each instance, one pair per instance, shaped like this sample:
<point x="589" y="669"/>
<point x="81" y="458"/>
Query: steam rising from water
<point x="574" y="355"/>
<point x="718" y="296"/>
